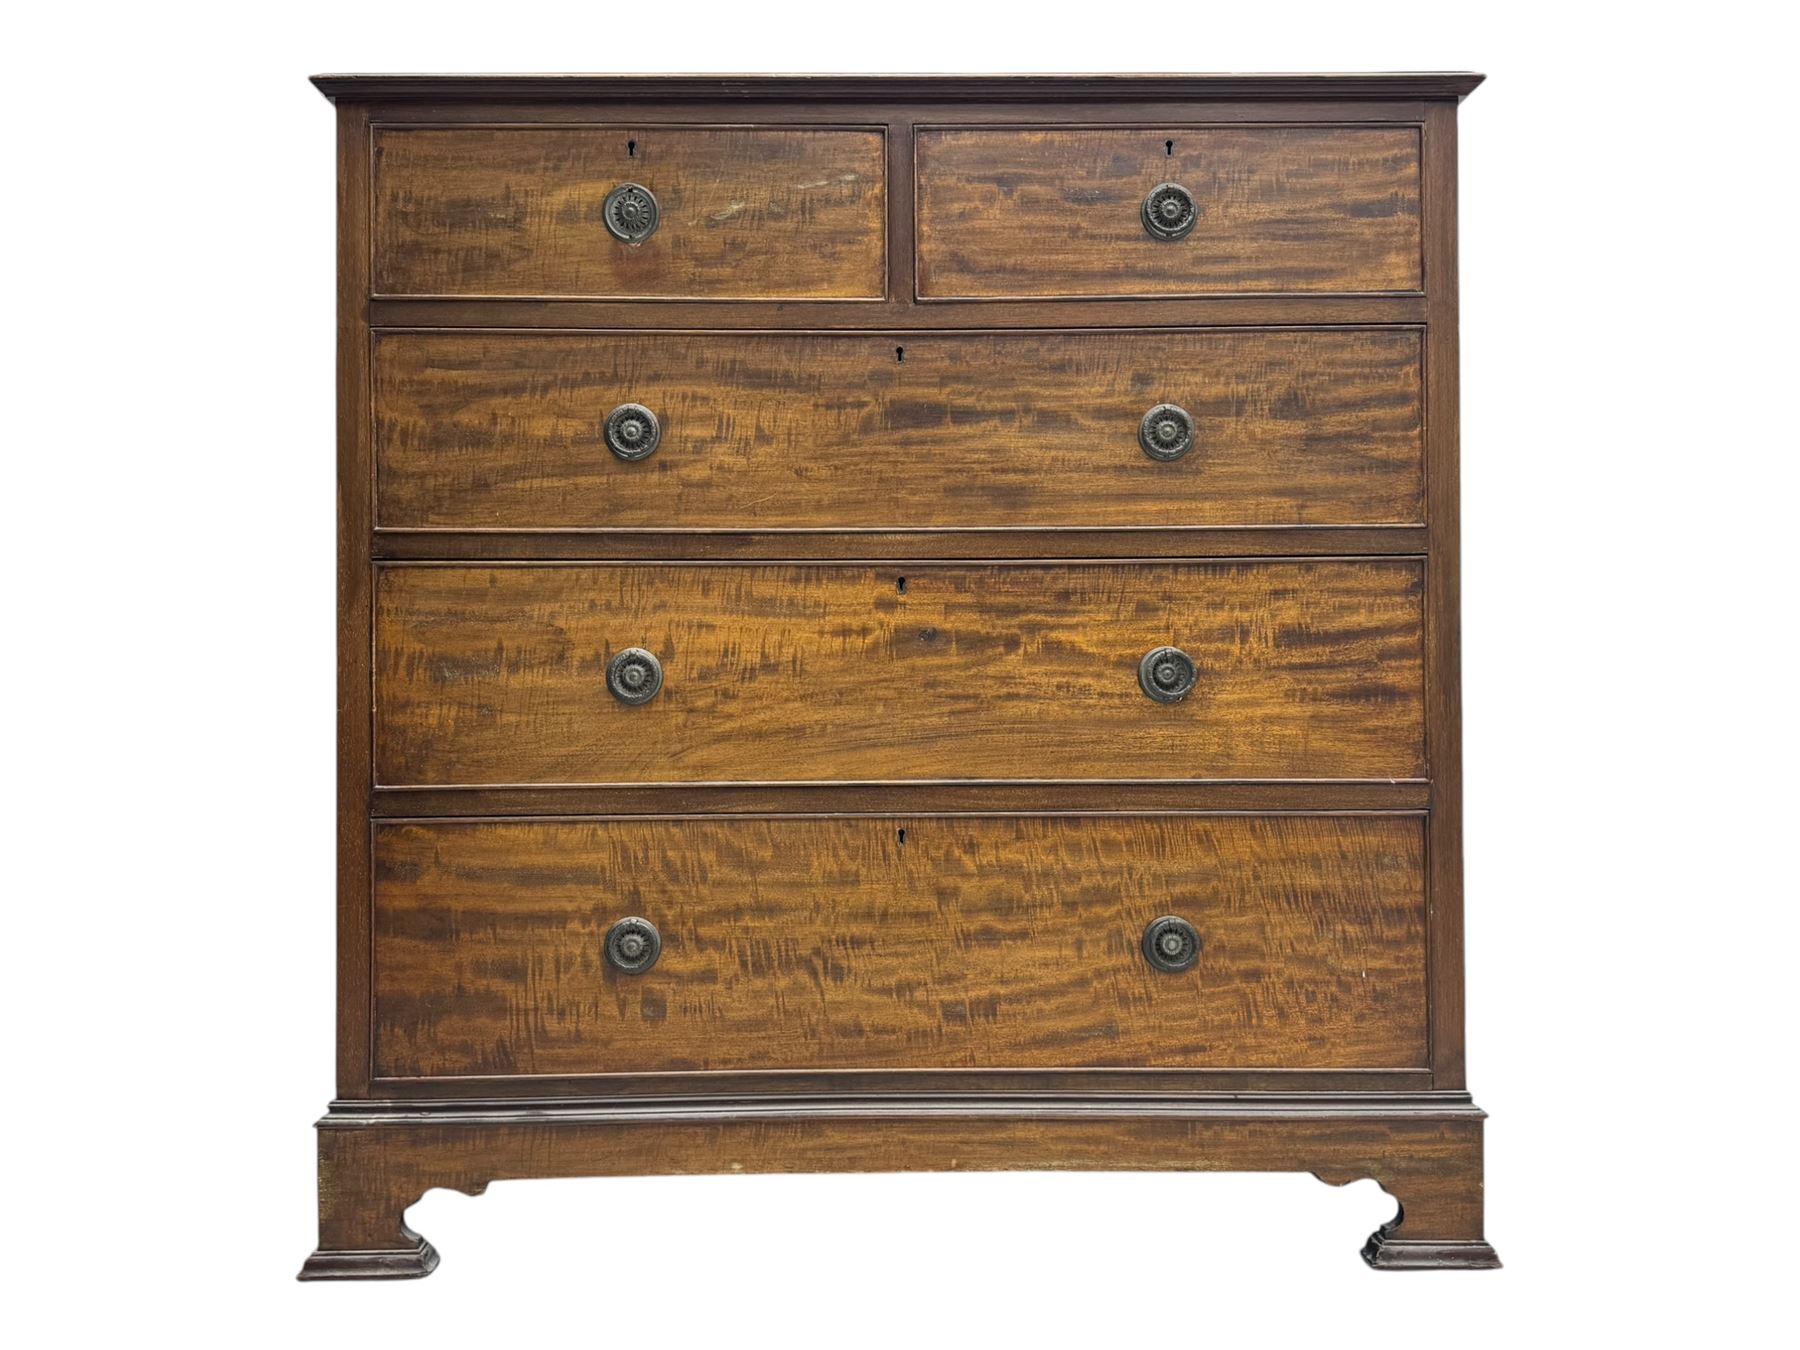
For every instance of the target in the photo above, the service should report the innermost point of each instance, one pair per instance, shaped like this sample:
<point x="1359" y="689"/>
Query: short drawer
<point x="737" y="212"/>
<point x="1044" y="213"/>
<point x="986" y="942"/>
<point x="522" y="673"/>
<point x="897" y="431"/>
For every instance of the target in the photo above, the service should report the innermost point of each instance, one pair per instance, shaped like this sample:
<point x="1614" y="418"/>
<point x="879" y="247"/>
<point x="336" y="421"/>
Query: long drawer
<point x="988" y="942"/>
<point x="631" y="212"/>
<point x="934" y="430"/>
<point x="1053" y="212"/>
<point x="695" y="673"/>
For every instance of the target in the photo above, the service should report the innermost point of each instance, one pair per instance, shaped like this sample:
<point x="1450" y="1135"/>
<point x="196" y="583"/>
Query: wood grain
<point x="870" y="943"/>
<point x="758" y="212"/>
<point x="494" y="675"/>
<point x="886" y="430"/>
<point x="1045" y="212"/>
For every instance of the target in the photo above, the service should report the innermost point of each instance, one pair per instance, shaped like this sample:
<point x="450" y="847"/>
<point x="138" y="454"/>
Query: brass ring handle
<point x="634" y="676"/>
<point x="1170" y="944"/>
<point x="631" y="213"/>
<point x="632" y="945"/>
<point x="1169" y="212"/>
<point x="1166" y="432"/>
<point x="1167" y="674"/>
<point x="632" y="431"/>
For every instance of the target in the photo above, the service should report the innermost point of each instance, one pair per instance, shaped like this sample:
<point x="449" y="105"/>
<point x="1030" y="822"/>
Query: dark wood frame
<point x="1417" y="1132"/>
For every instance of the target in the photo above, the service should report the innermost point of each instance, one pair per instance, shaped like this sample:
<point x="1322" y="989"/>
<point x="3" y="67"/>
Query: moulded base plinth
<point x="377" y="1159"/>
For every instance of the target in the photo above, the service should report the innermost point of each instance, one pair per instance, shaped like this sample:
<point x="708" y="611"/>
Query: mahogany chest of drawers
<point x="897" y="623"/>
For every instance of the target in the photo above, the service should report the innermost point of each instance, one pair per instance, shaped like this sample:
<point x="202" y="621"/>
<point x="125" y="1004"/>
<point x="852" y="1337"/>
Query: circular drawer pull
<point x="631" y="213"/>
<point x="1169" y="211"/>
<point x="1166" y="674"/>
<point x="632" y="431"/>
<point x="632" y="945"/>
<point x="1166" y="432"/>
<point x="1171" y="944"/>
<point x="634" y="676"/>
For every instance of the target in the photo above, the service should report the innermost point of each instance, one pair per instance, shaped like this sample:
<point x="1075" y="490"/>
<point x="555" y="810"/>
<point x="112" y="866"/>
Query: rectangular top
<point x="986" y="88"/>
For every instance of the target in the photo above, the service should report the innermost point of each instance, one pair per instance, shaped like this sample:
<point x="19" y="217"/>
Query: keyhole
<point x="902" y="837"/>
<point x="631" y="149"/>
<point x="901" y="585"/>
<point x="899" y="353"/>
<point x="1168" y="147"/>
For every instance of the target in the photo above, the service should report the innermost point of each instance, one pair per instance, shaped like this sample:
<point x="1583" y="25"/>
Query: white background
<point x="1629" y="442"/>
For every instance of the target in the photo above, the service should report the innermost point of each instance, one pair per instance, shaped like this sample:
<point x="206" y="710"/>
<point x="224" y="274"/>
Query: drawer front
<point x="742" y="212"/>
<point x="1059" y="212"/>
<point x="895" y="431"/>
<point x="898" y="943"/>
<point x="500" y="674"/>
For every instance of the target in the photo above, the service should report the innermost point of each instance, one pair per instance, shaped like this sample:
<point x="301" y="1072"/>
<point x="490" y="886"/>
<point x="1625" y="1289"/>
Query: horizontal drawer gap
<point x="891" y="801"/>
<point x="488" y="313"/>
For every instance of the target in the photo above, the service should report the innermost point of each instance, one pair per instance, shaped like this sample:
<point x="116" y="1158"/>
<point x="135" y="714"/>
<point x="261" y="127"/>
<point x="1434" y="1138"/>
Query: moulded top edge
<point x="987" y="88"/>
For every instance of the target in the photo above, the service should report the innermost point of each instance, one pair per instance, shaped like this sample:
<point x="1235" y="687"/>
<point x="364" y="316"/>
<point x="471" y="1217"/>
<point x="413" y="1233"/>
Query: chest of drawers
<point x="897" y="623"/>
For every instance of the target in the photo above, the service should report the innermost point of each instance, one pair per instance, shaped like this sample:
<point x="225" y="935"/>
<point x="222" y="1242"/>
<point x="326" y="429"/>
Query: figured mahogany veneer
<point x="918" y="942"/>
<point x="899" y="430"/>
<point x="1053" y="212"/>
<point x="746" y="212"/>
<point x="498" y="674"/>
<point x="784" y="786"/>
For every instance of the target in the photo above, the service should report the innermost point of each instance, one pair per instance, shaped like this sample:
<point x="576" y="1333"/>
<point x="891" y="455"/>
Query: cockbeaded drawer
<point x="696" y="673"/>
<point x="915" y="431"/>
<point x="657" y="946"/>
<point x="631" y="211"/>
